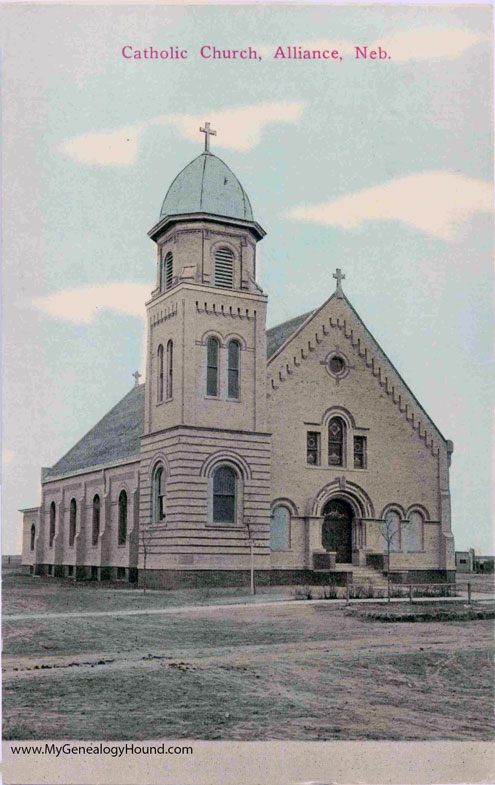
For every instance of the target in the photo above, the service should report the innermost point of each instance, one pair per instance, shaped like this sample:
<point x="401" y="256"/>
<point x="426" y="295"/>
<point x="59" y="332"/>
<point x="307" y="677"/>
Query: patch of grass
<point x="422" y="613"/>
<point x="304" y="593"/>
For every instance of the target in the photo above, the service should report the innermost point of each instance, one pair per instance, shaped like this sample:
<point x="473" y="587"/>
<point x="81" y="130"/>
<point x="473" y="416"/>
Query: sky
<point x="381" y="166"/>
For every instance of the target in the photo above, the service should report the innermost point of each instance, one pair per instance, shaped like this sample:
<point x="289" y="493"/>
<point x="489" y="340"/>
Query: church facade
<point x="299" y="447"/>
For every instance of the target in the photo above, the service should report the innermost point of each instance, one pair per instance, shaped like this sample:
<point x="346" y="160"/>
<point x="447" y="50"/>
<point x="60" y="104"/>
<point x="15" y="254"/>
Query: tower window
<point x="212" y="366"/>
<point x="122" y="517"/>
<point x="96" y="519"/>
<point x="158" y="495"/>
<point x="360" y="461"/>
<point x="313" y="448"/>
<point x="72" y="521"/>
<point x="167" y="273"/>
<point x="159" y="389"/>
<point x="234" y="368"/>
<point x="336" y="440"/>
<point x="170" y="368"/>
<point x="224" y="495"/>
<point x="52" y="522"/>
<point x="224" y="268"/>
<point x="33" y="536"/>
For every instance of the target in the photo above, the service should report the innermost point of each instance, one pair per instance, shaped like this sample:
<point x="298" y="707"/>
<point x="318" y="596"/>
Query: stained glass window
<point x="159" y="392"/>
<point x="413" y="535"/>
<point x="170" y="368"/>
<point x="337" y="365"/>
<point x="33" y="535"/>
<point x="313" y="448"/>
<point x="212" y="367"/>
<point x="96" y="519"/>
<point x="158" y="495"/>
<point x="360" y="452"/>
<point x="122" y="517"/>
<point x="72" y="521"/>
<point x="234" y="363"/>
<point x="336" y="435"/>
<point x="52" y="523"/>
<point x="391" y="532"/>
<point x="280" y="529"/>
<point x="224" y="495"/>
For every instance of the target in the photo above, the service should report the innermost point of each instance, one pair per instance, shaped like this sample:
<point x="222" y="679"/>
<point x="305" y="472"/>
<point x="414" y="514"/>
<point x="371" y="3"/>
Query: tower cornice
<point x="200" y="288"/>
<point x="168" y="221"/>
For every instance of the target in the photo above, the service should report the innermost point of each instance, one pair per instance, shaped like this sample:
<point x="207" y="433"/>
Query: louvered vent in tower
<point x="169" y="270"/>
<point x="224" y="268"/>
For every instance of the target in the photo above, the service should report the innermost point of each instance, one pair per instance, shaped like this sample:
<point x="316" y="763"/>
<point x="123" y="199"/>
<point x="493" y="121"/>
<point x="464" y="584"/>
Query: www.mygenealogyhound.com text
<point x="114" y="750"/>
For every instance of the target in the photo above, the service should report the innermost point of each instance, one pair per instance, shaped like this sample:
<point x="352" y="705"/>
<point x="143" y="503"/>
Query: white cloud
<point x="238" y="129"/>
<point x="403" y="47"/>
<point x="437" y="203"/>
<point x="117" y="148"/>
<point x="83" y="304"/>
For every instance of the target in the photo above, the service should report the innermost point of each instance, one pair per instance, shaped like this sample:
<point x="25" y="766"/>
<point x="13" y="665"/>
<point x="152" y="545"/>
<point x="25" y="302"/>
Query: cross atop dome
<point x="207" y="132"/>
<point x="339" y="278"/>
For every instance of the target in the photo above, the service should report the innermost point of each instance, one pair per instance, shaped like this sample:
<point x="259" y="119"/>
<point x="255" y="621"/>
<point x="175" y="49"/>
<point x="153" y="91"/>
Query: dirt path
<point x="295" y="670"/>
<point x="212" y="608"/>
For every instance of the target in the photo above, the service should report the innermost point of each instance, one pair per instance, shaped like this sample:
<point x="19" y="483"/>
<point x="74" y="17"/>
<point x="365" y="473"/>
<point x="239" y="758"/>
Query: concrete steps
<point x="363" y="575"/>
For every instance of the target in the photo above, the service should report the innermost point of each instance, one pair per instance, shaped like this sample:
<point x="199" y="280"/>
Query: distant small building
<point x="12" y="560"/>
<point x="484" y="564"/>
<point x="464" y="560"/>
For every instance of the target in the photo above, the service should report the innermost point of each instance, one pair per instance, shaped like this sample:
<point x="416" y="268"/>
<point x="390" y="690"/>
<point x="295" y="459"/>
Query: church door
<point x="337" y="529"/>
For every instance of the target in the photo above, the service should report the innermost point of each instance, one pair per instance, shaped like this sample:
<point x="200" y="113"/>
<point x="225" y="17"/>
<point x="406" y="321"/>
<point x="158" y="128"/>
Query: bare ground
<point x="289" y="671"/>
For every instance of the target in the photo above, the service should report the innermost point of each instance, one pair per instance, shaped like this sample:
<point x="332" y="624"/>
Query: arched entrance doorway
<point x="336" y="533"/>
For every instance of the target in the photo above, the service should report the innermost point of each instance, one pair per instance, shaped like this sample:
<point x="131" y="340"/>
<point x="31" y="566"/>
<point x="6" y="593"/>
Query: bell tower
<point x="206" y="364"/>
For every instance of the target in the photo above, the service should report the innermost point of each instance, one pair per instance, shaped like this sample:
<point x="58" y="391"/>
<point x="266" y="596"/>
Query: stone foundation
<point x="423" y="576"/>
<point x="193" y="579"/>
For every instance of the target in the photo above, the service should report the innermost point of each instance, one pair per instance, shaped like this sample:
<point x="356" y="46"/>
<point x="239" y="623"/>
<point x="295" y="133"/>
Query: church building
<point x="299" y="446"/>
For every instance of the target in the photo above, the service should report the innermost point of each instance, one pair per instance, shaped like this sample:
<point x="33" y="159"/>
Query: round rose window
<point x="337" y="365"/>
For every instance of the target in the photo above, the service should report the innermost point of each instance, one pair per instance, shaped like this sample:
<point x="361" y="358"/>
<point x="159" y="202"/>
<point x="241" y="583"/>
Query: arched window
<point x="224" y="268"/>
<point x="167" y="272"/>
<point x="390" y="530"/>
<point x="122" y="517"/>
<point x="170" y="368"/>
<point x="159" y="389"/>
<point x="224" y="495"/>
<point x="33" y="536"/>
<point x="52" y="522"/>
<point x="72" y="521"/>
<point x="413" y="532"/>
<point x="158" y="494"/>
<point x="212" y="347"/>
<point x="336" y="442"/>
<point x="280" y="529"/>
<point x="96" y="519"/>
<point x="234" y="353"/>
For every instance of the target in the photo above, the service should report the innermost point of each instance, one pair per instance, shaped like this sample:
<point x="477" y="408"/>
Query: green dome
<point x="207" y="185"/>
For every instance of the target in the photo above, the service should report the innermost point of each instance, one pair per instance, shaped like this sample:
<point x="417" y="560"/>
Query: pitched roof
<point x="276" y="336"/>
<point x="117" y="436"/>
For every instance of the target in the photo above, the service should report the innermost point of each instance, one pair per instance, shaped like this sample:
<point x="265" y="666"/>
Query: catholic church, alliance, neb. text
<point x="302" y="440"/>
